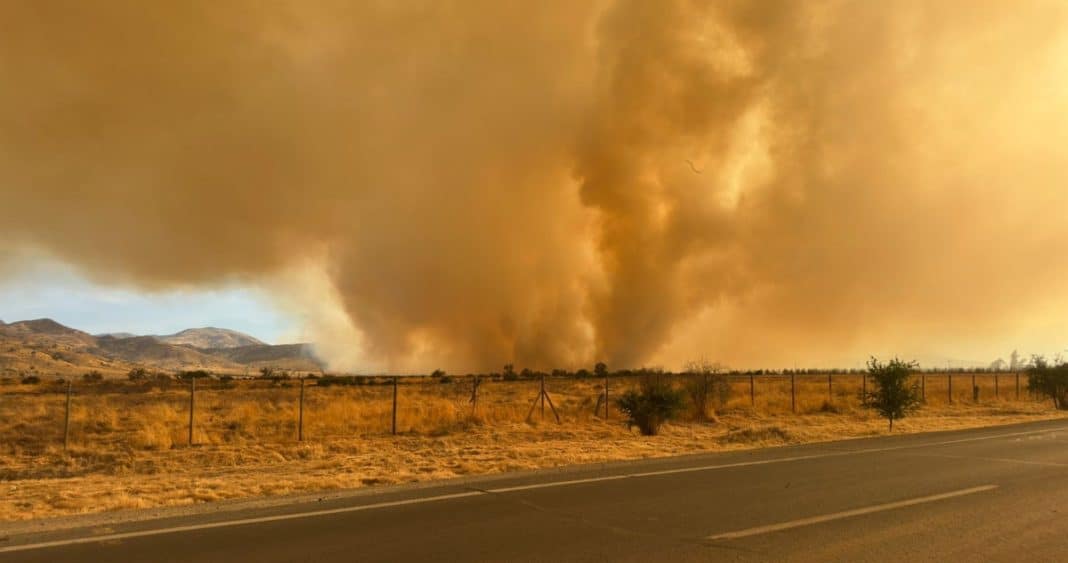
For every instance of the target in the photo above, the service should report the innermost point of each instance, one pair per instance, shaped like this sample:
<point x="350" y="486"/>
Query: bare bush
<point x="707" y="386"/>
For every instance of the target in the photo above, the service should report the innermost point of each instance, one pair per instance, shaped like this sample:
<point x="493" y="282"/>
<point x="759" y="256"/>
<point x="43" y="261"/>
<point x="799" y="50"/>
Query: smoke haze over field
<point x="467" y="184"/>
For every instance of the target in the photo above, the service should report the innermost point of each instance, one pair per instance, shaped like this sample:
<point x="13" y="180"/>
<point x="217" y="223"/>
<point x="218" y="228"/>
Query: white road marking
<point x="228" y="523"/>
<point x="995" y="459"/>
<point x="760" y="462"/>
<point x="558" y="483"/>
<point x="848" y="514"/>
<point x="246" y="521"/>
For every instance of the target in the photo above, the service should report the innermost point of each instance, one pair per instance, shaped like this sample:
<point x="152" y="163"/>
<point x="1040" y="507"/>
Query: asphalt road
<point x="995" y="494"/>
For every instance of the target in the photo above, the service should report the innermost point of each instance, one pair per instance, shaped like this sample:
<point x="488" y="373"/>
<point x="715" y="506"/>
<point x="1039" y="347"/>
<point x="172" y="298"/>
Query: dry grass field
<point x="128" y="444"/>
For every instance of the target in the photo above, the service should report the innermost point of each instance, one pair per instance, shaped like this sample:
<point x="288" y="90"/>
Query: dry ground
<point x="128" y="445"/>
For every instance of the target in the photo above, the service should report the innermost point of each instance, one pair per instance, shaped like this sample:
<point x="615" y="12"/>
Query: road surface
<point x="995" y="494"/>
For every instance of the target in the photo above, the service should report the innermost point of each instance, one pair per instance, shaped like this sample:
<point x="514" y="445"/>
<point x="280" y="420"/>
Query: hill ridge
<point x="47" y="347"/>
<point x="211" y="337"/>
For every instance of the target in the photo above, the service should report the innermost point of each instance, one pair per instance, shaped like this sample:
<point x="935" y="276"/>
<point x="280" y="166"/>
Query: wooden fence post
<point x="545" y="395"/>
<point x="394" y="426"/>
<point x="704" y="389"/>
<point x="923" y="387"/>
<point x="950" y="376"/>
<point x="793" y="394"/>
<point x="1017" y="386"/>
<point x="606" y="395"/>
<point x="975" y="390"/>
<point x="192" y="405"/>
<point x="300" y="415"/>
<point x="830" y="395"/>
<point x="66" y="420"/>
<point x="752" y="390"/>
<point x="864" y="389"/>
<point x="542" y="395"/>
<point x="474" y="394"/>
<point x="996" y="390"/>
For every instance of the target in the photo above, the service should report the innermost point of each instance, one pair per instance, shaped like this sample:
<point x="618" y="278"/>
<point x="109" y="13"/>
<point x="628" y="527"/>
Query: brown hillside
<point x="44" y="347"/>
<point x="210" y="337"/>
<point x="146" y="350"/>
<point x="281" y="356"/>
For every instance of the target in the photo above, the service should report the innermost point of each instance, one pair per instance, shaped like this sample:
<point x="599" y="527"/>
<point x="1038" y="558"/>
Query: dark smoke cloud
<point x="552" y="184"/>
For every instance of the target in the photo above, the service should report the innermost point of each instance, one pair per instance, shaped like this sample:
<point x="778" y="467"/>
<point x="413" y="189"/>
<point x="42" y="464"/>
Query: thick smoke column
<point x="562" y="182"/>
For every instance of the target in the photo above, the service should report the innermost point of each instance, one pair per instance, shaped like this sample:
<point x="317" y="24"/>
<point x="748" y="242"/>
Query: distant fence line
<point x="999" y="386"/>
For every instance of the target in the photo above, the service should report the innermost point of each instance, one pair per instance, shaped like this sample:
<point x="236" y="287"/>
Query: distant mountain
<point x="43" y="346"/>
<point x="210" y="337"/>
<point x="116" y="334"/>
<point x="147" y="350"/>
<point x="47" y="331"/>
<point x="41" y="326"/>
<point x="265" y="353"/>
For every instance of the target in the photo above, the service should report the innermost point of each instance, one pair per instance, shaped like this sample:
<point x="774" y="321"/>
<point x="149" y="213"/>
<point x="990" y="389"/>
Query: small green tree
<point x="651" y="406"/>
<point x="1050" y="380"/>
<point x="892" y="395"/>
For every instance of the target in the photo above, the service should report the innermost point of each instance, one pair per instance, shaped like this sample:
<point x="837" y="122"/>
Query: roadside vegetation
<point x="128" y="437"/>
<point x="895" y="393"/>
<point x="650" y="406"/>
<point x="1049" y="380"/>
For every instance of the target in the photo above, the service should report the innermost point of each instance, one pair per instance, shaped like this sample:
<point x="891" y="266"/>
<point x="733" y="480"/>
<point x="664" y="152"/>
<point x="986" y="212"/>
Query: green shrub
<point x="273" y="375"/>
<point x="93" y="377"/>
<point x="651" y="406"/>
<point x="194" y="374"/>
<point x="328" y="380"/>
<point x="1049" y="380"/>
<point x="892" y="395"/>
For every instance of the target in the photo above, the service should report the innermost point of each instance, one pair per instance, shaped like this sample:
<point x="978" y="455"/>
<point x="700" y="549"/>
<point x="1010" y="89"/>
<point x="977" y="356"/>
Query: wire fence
<point x="166" y="413"/>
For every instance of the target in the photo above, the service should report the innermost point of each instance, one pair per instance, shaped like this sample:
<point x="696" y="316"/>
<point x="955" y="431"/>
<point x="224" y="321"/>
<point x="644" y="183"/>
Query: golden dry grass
<point x="128" y="445"/>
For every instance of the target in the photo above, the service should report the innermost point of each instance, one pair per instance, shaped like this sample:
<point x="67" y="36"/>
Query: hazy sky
<point x="461" y="185"/>
<point x="46" y="289"/>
